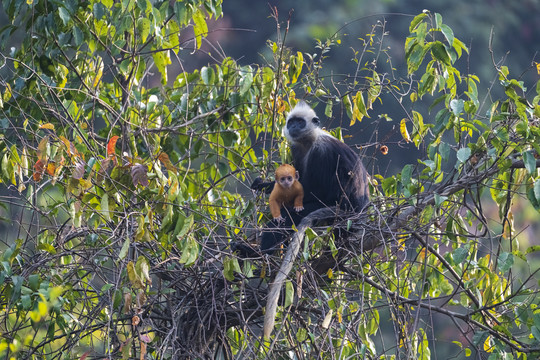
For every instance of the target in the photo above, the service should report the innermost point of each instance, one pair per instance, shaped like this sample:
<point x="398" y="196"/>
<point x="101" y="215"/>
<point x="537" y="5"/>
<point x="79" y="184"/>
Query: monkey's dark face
<point x="298" y="127"/>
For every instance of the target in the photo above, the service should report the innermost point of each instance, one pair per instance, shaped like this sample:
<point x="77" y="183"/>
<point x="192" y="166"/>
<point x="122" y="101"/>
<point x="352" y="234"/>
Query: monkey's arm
<point x="275" y="204"/>
<point x="259" y="185"/>
<point x="299" y="199"/>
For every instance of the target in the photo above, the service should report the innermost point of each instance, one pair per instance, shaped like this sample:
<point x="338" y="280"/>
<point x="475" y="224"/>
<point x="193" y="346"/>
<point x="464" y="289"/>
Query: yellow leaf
<point x="42" y="308"/>
<point x="403" y="130"/>
<point x="326" y="322"/>
<point x="200" y="28"/>
<point x="359" y="108"/>
<point x="134" y="278"/>
<point x="99" y="73"/>
<point x="487" y="345"/>
<point x="538" y="68"/>
<point x="47" y="126"/>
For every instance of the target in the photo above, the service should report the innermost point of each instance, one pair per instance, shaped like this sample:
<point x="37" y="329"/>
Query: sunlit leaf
<point x="200" y="27"/>
<point x="48" y="126"/>
<point x="112" y="144"/>
<point x="403" y="130"/>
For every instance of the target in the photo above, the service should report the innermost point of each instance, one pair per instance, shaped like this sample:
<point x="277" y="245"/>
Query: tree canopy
<point x="123" y="188"/>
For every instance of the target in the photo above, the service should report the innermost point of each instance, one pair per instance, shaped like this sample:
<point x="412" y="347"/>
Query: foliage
<point x="125" y="187"/>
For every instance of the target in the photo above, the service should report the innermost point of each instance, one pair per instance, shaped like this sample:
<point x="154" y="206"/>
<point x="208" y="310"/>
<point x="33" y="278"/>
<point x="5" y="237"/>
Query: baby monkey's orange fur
<point x="287" y="191"/>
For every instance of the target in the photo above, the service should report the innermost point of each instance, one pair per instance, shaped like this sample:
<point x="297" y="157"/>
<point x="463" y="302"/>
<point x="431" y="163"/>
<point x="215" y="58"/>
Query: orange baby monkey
<point x="287" y="191"/>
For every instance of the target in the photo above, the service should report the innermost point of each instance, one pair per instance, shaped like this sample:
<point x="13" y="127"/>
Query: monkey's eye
<point x="316" y="120"/>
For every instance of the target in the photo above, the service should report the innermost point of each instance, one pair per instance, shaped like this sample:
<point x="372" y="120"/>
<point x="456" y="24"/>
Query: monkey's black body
<point x="331" y="173"/>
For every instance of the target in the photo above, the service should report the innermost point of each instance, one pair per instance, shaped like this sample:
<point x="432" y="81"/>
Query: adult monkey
<point x="332" y="174"/>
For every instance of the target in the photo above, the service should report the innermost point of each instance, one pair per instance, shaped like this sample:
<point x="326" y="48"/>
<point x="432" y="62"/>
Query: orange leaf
<point x="164" y="158"/>
<point x="39" y="167"/>
<point x="47" y="126"/>
<point x="51" y="167"/>
<point x="112" y="144"/>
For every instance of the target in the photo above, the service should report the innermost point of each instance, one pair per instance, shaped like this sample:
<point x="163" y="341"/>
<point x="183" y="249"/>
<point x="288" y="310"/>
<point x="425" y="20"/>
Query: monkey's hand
<point x="298" y="208"/>
<point x="280" y="219"/>
<point x="259" y="185"/>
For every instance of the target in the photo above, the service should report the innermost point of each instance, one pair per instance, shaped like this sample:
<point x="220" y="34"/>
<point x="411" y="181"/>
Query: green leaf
<point x="105" y="207"/>
<point x="246" y="81"/>
<point x="505" y="262"/>
<point x="439" y="52"/>
<point x="127" y="5"/>
<point x="530" y="162"/>
<point x="143" y="27"/>
<point x="183" y="226"/>
<point x="438" y="20"/>
<point x="107" y="3"/>
<point x="448" y="34"/>
<point x="124" y="251"/>
<point x="328" y="109"/>
<point x="457" y="105"/>
<point x="533" y="194"/>
<point x="17" y="285"/>
<point x="464" y="154"/>
<point x="64" y="14"/>
<point x="161" y="60"/>
<point x="536" y="333"/>
<point x="348" y="105"/>
<point x="174" y="32"/>
<point x="207" y="75"/>
<point x="190" y="251"/>
<point x="439" y="199"/>
<point x="458" y="46"/>
<point x="415" y="58"/>
<point x="78" y="36"/>
<point x="460" y="254"/>
<point x="406" y="174"/>
<point x="295" y="68"/>
<point x="444" y="151"/>
<point x="417" y="19"/>
<point x="230" y="266"/>
<point x="98" y="10"/>
<point x="289" y="293"/>
<point x="200" y="28"/>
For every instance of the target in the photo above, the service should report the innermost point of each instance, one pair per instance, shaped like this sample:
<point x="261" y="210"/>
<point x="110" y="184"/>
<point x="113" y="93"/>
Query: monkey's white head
<point x="302" y="124"/>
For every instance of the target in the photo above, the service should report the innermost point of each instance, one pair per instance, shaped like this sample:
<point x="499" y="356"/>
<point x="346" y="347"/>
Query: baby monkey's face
<point x="286" y="181"/>
<point x="286" y="175"/>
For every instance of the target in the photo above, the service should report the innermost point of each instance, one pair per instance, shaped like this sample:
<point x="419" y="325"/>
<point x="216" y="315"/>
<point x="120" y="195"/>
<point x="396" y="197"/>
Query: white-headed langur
<point x="332" y="175"/>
